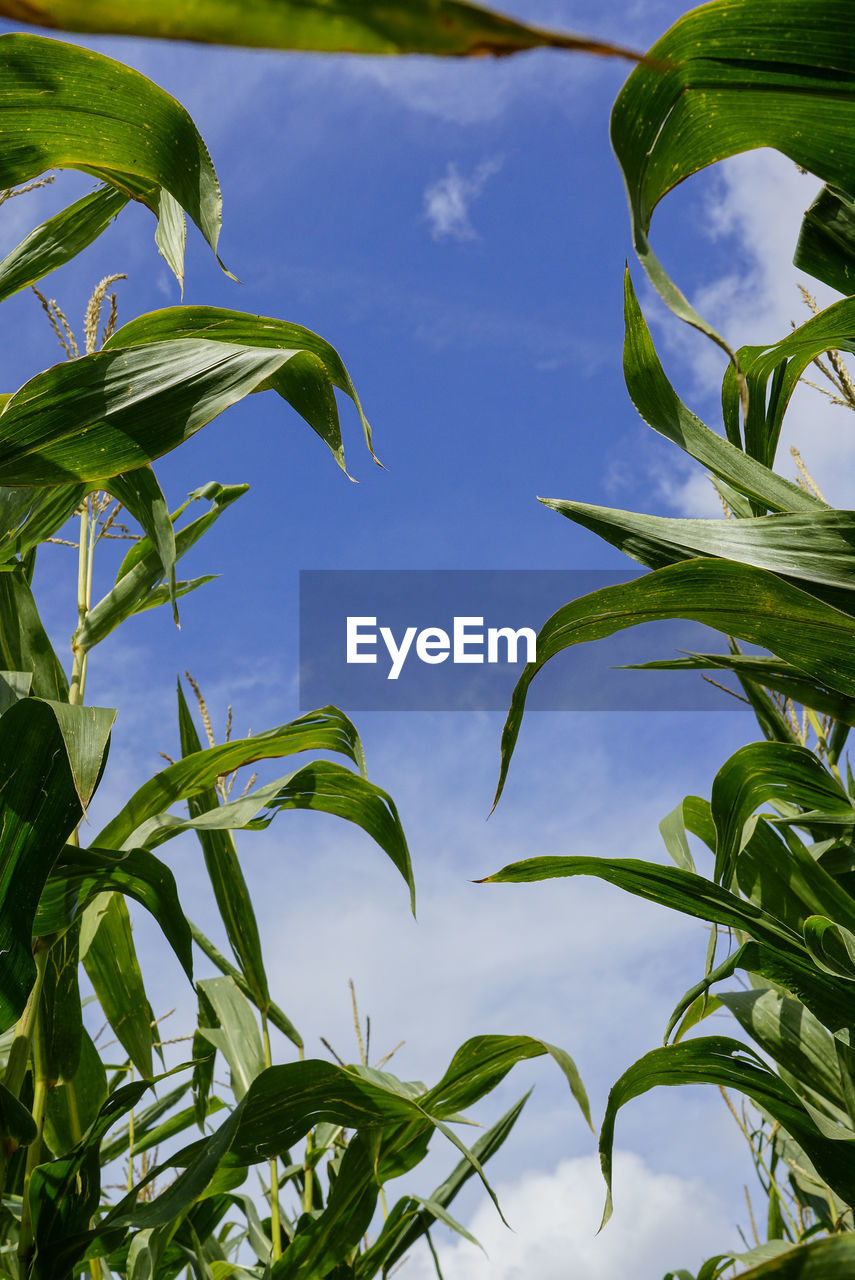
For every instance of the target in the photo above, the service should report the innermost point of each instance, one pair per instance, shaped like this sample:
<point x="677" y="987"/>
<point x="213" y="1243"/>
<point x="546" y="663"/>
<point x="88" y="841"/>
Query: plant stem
<point x="86" y="548"/>
<point x="275" y="1228"/>
<point x="41" y="1087"/>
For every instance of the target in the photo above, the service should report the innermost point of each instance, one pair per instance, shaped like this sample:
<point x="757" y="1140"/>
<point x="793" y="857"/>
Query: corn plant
<point x="77" y="444"/>
<point x="774" y="573"/>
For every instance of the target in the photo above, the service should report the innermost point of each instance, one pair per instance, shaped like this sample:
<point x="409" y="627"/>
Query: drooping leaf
<point x="725" y="1062"/>
<point x="142" y="497"/>
<point x="327" y="729"/>
<point x="127" y="131"/>
<point x="409" y="1219"/>
<point x="738" y="76"/>
<point x="306" y="378"/>
<point x="831" y="946"/>
<point x="757" y="773"/>
<point x="670" y="886"/>
<point x="59" y="239"/>
<point x="322" y="785"/>
<point x="79" y="875"/>
<point x="449" y="27"/>
<point x="771" y="673"/>
<point x="736" y="599"/>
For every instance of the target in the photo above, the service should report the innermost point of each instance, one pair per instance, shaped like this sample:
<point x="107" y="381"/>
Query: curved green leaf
<point x="772" y="375"/>
<point x="324" y="786"/>
<point x="670" y="886"/>
<point x="124" y="127"/>
<point x="110" y="960"/>
<point x="771" y="673"/>
<point x="729" y="1064"/>
<point x="759" y="772"/>
<point x="24" y="643"/>
<point x="736" y="599"/>
<point x="449" y="27"/>
<point x="306" y="380"/>
<point x="831" y="946"/>
<point x="60" y="239"/>
<point x="79" y="875"/>
<point x="830" y="1259"/>
<point x="274" y="1014"/>
<point x="327" y="729"/>
<point x="736" y="75"/>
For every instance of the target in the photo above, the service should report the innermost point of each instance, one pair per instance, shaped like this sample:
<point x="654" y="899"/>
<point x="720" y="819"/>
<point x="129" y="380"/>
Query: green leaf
<point x="482" y="1062"/>
<point x="409" y="1219"/>
<point x="448" y="27"/>
<point x="141" y="495"/>
<point x="324" y="786"/>
<point x="738" y="600"/>
<point x="312" y="367"/>
<point x="110" y="959"/>
<point x="771" y="673"/>
<point x="79" y="875"/>
<point x="14" y="685"/>
<point x="831" y="946"/>
<point x="816" y="547"/>
<point x="727" y="1063"/>
<point x="826" y="245"/>
<point x="142" y="567"/>
<point x="17" y="1126"/>
<point x="24" y="644"/>
<point x="50" y="758"/>
<point x="274" y="1013"/>
<point x="65" y="1193"/>
<point x="796" y="1041"/>
<point x="237" y="1036"/>
<point x="773" y="373"/>
<point x="127" y="131"/>
<point x="59" y="239"/>
<point x="759" y="772"/>
<point x="661" y="408"/>
<point x="28" y="516"/>
<point x="327" y="729"/>
<point x="736" y="76"/>
<point x="670" y="886"/>
<point x="828" y="1259"/>
<point x="73" y="1104"/>
<point x="224" y="871"/>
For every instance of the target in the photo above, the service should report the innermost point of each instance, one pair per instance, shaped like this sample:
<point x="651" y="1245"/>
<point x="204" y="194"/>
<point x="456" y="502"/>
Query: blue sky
<point x="458" y="232"/>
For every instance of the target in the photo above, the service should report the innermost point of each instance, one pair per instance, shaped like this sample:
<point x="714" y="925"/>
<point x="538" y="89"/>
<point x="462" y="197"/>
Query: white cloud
<point x="661" y="1222"/>
<point x="448" y="200"/>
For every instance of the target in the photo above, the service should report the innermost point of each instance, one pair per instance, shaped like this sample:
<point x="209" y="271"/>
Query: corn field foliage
<point x="768" y="860"/>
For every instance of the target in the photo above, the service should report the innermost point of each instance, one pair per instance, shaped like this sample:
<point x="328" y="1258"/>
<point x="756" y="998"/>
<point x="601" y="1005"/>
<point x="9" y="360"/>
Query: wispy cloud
<point x="448" y="200"/>
<point x="661" y="1221"/>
